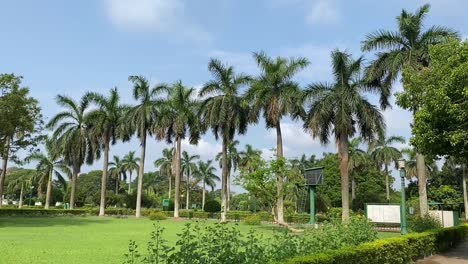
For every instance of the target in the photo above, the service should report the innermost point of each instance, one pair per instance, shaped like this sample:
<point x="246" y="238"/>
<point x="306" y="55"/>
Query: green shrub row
<point x="57" y="212"/>
<point x="404" y="249"/>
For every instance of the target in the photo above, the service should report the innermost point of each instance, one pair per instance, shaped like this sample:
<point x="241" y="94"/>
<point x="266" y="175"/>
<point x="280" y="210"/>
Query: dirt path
<point x="459" y="255"/>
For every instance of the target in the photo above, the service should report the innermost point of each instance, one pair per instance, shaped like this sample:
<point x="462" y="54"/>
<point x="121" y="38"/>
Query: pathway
<point x="459" y="255"/>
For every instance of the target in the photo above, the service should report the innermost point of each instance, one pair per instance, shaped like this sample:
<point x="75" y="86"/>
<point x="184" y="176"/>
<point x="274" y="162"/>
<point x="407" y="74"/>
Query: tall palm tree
<point x="48" y="165"/>
<point x="71" y="138"/>
<point x="165" y="166"/>
<point x="205" y="173"/>
<point x="411" y="163"/>
<point x="384" y="154"/>
<point x="131" y="163"/>
<point x="276" y="95"/>
<point x="104" y="125"/>
<point x="142" y="119"/>
<point x="117" y="171"/>
<point x="233" y="160"/>
<point x="342" y="109"/>
<point x="188" y="166"/>
<point x="20" y="183"/>
<point x="179" y="120"/>
<point x="357" y="158"/>
<point x="249" y="158"/>
<point x="224" y="112"/>
<point x="406" y="47"/>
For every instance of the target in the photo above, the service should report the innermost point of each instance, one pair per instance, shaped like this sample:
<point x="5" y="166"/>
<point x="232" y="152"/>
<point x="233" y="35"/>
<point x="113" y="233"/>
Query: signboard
<point x="165" y="202"/>
<point x="445" y="218"/>
<point x="314" y="176"/>
<point x="383" y="213"/>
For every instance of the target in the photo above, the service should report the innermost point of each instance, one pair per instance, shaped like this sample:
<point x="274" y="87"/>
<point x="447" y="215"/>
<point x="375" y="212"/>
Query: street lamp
<point x="401" y="167"/>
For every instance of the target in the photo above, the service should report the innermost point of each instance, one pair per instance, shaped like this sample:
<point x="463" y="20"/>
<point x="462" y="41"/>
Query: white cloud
<point x="323" y="12"/>
<point x="162" y="16"/>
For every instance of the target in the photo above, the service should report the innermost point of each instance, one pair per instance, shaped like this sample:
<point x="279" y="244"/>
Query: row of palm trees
<point x="337" y="111"/>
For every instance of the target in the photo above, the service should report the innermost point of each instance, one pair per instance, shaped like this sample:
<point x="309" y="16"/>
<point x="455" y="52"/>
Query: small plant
<point x="424" y="223"/>
<point x="157" y="216"/>
<point x="253" y="220"/>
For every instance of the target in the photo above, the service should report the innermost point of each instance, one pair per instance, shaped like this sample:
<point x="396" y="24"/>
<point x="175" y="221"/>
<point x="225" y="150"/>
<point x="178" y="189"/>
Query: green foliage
<point x="59" y="212"/>
<point x="253" y="220"/>
<point x="130" y="200"/>
<point x="157" y="216"/>
<point x="212" y="206"/>
<point x="424" y="223"/>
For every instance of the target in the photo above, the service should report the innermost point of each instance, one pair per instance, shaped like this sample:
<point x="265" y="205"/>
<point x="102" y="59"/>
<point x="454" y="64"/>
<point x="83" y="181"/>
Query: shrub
<point x="420" y="224"/>
<point x="253" y="220"/>
<point x="212" y="206"/>
<point x="157" y="216"/>
<point x="130" y="200"/>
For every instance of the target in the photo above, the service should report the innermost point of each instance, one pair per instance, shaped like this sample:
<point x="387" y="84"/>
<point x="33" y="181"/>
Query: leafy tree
<point x="205" y="173"/>
<point x="384" y="154"/>
<point x="342" y="109"/>
<point x="408" y="47"/>
<point x="224" y="112"/>
<point x="104" y="125"/>
<point x="20" y="122"/>
<point x="357" y="159"/>
<point x="21" y="180"/>
<point x="179" y="120"/>
<point x="276" y="95"/>
<point x="165" y="165"/>
<point x="48" y="165"/>
<point x="188" y="166"/>
<point x="233" y="160"/>
<point x="72" y="139"/>
<point x="142" y="119"/>
<point x="131" y="163"/>
<point x="117" y="171"/>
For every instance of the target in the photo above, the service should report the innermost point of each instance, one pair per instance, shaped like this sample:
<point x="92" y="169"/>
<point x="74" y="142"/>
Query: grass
<point x="40" y="240"/>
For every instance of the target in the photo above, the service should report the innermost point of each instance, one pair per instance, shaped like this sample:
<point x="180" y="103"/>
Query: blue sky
<point x="70" y="47"/>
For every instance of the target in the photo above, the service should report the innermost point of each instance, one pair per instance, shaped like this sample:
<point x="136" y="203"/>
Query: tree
<point x="233" y="160"/>
<point x="131" y="163"/>
<point x="48" y="165"/>
<point x="165" y="166"/>
<point x="249" y="157"/>
<point x="20" y="122"/>
<point x="188" y="166"/>
<point x="142" y="119"/>
<point x="357" y="158"/>
<point x="72" y="139"/>
<point x="179" y="120"/>
<point x="205" y="173"/>
<point x="406" y="48"/>
<point x="342" y="109"/>
<point x="104" y="125"/>
<point x="224" y="112"/>
<point x="22" y="181"/>
<point x="384" y="154"/>
<point x="276" y="95"/>
<point x="117" y="171"/>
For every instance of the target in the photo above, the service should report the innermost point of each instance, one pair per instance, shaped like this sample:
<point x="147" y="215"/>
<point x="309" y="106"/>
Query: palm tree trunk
<point x="170" y="186"/>
<point x="129" y="181"/>
<point x="421" y="170"/>
<point x="465" y="198"/>
<point x="76" y="170"/>
<point x="203" y="195"/>
<point x="140" y="175"/>
<point x="102" y="206"/>
<point x="228" y="200"/>
<point x="387" y="183"/>
<point x="6" y="151"/>
<point x="187" y="201"/>
<point x="353" y="187"/>
<point x="117" y="179"/>
<point x="224" y="180"/>
<point x="279" y="177"/>
<point x="20" y="205"/>
<point x="48" y="191"/>
<point x="344" y="160"/>
<point x="177" y="178"/>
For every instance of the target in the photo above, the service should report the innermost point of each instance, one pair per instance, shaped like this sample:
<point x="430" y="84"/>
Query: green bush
<point x="405" y="249"/>
<point x="253" y="220"/>
<point x="157" y="216"/>
<point x="212" y="206"/>
<point x="420" y="224"/>
<point x="58" y="212"/>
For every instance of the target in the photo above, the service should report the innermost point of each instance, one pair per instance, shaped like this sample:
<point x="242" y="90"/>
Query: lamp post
<point x="312" y="205"/>
<point x="401" y="167"/>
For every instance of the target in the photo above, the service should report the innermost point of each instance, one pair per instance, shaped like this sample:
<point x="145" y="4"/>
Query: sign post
<point x="313" y="177"/>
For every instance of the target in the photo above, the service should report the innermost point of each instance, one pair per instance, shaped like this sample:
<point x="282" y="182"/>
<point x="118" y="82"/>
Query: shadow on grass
<point x="48" y="221"/>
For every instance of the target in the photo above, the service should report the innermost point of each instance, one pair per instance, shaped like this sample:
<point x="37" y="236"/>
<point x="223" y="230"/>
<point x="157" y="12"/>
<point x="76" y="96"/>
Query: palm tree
<point x="131" y="163"/>
<point x="72" y="139"/>
<point x="104" y="124"/>
<point x="165" y="166"/>
<point x="48" y="165"/>
<point x="224" y="112"/>
<point x="117" y="171"/>
<point x="142" y="119"/>
<point x="20" y="183"/>
<point x="188" y="166"/>
<point x="179" y="120"/>
<point x="276" y="95"/>
<point x="249" y="158"/>
<point x="384" y="154"/>
<point x="205" y="173"/>
<point x="411" y="163"/>
<point x="342" y="109"/>
<point x="233" y="160"/>
<point x="357" y="158"/>
<point x="407" y="47"/>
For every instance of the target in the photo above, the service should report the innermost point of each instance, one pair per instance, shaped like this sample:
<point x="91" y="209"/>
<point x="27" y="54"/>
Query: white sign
<point x="445" y="218"/>
<point x="383" y="213"/>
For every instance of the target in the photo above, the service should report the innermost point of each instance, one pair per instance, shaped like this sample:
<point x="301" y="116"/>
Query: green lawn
<point x="87" y="240"/>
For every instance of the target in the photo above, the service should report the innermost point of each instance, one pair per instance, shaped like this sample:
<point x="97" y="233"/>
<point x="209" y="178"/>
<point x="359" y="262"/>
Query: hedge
<point x="57" y="212"/>
<point x="404" y="249"/>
